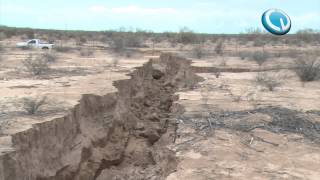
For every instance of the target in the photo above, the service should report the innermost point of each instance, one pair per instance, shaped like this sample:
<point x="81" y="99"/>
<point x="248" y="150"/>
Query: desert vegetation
<point x="198" y="51"/>
<point x="33" y="105"/>
<point x="49" y="57"/>
<point x="86" y="52"/>
<point x="307" y="68"/>
<point x="239" y="91"/>
<point x="268" y="80"/>
<point x="219" y="48"/>
<point x="63" y="49"/>
<point x="36" y="65"/>
<point x="260" y="57"/>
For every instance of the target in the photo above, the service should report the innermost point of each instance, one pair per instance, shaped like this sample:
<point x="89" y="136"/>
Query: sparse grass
<point x="33" y="105"/>
<point x="269" y="81"/>
<point x="307" y="68"/>
<point x="260" y="57"/>
<point x="36" y="66"/>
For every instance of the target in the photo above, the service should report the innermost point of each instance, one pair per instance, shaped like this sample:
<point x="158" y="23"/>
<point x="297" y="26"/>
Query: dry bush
<point x="307" y="68"/>
<point x="244" y="55"/>
<point x="219" y="48"/>
<point x="118" y="44"/>
<point x="198" y="51"/>
<point x="62" y="49"/>
<point x="49" y="57"/>
<point x="86" y="52"/>
<point x="269" y="81"/>
<point x="187" y="36"/>
<point x="81" y="40"/>
<point x="123" y="40"/>
<point x="36" y="66"/>
<point x="260" y="57"/>
<point x="205" y="93"/>
<point x="307" y="35"/>
<point x="133" y="40"/>
<point x="3" y="36"/>
<point x="217" y="73"/>
<point x="33" y="105"/>
<point x="259" y="42"/>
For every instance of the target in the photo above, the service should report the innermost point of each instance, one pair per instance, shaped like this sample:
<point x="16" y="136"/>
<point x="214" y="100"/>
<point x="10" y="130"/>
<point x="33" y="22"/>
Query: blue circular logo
<point x="276" y="21"/>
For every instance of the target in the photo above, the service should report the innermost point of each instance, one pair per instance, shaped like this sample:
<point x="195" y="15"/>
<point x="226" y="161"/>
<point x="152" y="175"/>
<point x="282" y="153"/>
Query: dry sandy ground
<point x="72" y="76"/>
<point x="222" y="154"/>
<point x="258" y="154"/>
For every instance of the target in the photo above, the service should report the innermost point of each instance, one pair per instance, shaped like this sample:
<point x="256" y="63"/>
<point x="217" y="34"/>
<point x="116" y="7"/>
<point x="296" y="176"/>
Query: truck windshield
<point x="32" y="42"/>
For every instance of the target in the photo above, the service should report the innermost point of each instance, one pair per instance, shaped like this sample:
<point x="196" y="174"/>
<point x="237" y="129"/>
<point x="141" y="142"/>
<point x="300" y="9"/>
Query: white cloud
<point x="98" y="9"/>
<point x="307" y="20"/>
<point x="132" y="10"/>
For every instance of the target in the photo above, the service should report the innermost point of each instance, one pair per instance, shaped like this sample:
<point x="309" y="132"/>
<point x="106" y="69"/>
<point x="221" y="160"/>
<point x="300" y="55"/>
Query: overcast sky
<point x="207" y="16"/>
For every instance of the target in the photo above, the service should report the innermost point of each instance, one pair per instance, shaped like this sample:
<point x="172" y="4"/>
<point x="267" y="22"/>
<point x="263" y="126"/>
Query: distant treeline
<point x="184" y="36"/>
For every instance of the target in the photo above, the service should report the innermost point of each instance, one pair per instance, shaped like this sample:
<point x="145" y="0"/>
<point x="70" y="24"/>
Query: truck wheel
<point x="45" y="48"/>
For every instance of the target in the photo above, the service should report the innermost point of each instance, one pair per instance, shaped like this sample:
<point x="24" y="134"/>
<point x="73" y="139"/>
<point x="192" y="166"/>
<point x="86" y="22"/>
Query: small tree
<point x="187" y="36"/>
<point x="36" y="66"/>
<point x="118" y="44"/>
<point x="219" y="48"/>
<point x="33" y="105"/>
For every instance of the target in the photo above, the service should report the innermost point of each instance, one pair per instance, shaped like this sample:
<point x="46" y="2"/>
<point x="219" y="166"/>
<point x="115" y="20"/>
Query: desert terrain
<point x="228" y="107"/>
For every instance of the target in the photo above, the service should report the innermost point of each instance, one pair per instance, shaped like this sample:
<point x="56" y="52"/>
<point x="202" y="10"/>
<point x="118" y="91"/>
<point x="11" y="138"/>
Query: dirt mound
<point x="121" y="135"/>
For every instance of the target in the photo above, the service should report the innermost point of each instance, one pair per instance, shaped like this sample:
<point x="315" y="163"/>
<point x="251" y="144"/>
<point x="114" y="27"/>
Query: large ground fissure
<point x="121" y="135"/>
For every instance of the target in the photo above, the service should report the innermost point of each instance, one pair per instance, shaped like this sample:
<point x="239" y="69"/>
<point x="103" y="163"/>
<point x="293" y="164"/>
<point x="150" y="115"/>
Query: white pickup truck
<point x="34" y="43"/>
